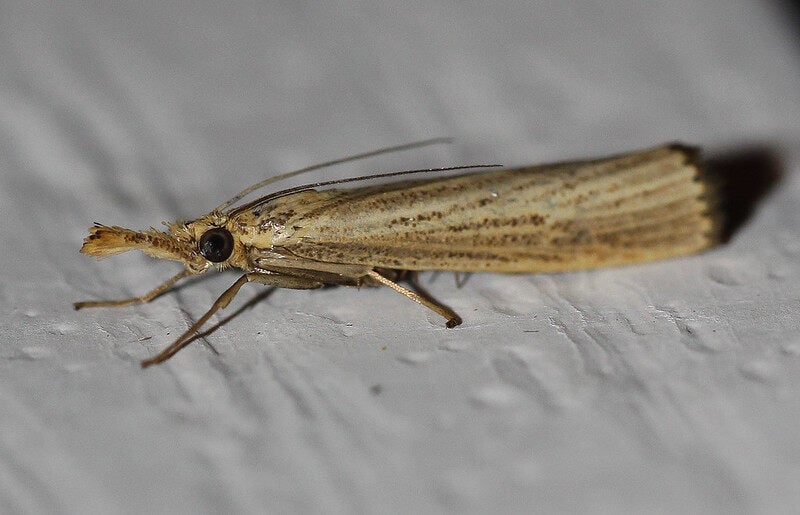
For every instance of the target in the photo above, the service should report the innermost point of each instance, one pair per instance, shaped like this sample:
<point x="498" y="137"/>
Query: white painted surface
<point x="668" y="387"/>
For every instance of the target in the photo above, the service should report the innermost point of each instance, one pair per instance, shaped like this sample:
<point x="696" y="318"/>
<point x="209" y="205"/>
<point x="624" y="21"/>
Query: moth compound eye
<point x="216" y="245"/>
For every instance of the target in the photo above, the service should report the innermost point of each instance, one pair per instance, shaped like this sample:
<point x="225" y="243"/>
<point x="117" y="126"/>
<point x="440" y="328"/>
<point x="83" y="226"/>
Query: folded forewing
<point x="626" y="209"/>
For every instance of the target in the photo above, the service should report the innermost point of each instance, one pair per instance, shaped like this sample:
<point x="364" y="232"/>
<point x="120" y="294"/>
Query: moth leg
<point x="285" y="281"/>
<point x="147" y="297"/>
<point x="184" y="339"/>
<point x="281" y="281"/>
<point x="421" y="298"/>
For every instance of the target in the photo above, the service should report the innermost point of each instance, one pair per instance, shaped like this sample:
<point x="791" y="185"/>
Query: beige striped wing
<point x="626" y="209"/>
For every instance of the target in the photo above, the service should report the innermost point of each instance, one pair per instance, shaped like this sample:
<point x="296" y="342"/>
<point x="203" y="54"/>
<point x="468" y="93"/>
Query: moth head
<point x="176" y="245"/>
<point x="199" y="244"/>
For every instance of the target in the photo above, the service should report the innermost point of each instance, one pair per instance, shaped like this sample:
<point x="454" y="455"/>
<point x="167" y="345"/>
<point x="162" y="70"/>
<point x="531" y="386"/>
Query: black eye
<point x="216" y="245"/>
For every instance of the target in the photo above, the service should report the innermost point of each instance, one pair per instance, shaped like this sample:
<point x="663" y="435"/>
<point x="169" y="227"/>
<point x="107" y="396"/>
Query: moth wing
<point x="625" y="209"/>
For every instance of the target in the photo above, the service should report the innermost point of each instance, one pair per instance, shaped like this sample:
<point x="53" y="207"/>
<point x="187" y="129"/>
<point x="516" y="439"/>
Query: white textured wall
<point x="667" y="387"/>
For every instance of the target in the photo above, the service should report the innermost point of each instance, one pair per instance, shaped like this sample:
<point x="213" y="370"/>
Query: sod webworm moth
<point x="618" y="210"/>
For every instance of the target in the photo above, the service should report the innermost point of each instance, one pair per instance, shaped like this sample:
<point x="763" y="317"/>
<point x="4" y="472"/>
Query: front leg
<point x="147" y="297"/>
<point x="280" y="281"/>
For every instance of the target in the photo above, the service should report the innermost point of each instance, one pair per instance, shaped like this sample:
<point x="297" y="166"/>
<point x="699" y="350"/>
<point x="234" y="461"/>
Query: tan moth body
<point x="626" y="209"/>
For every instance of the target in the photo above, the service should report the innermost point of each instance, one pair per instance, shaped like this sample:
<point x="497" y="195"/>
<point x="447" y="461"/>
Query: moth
<point x="631" y="208"/>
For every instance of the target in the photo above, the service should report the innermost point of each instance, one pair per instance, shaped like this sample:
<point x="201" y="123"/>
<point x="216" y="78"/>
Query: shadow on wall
<point x="745" y="176"/>
<point x="791" y="10"/>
